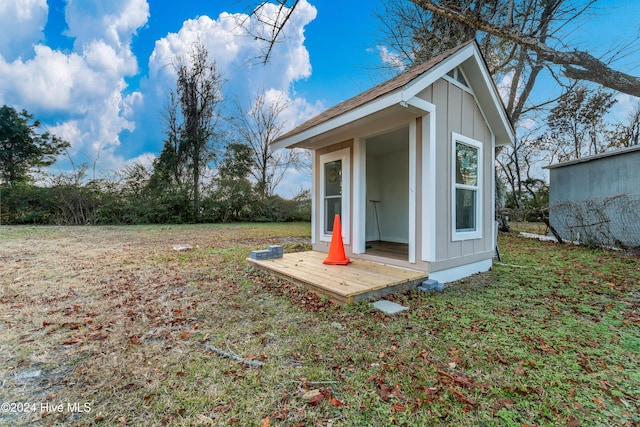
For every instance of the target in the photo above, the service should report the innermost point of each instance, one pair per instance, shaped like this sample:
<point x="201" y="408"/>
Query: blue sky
<point x="96" y="72"/>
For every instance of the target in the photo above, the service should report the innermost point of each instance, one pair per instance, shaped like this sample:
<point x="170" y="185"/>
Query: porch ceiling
<point x="382" y="121"/>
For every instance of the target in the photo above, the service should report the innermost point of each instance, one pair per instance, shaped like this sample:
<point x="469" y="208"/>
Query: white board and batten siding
<point x="459" y="113"/>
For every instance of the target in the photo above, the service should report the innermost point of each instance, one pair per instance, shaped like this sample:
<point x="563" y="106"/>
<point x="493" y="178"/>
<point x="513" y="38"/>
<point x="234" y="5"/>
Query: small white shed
<point x="409" y="166"/>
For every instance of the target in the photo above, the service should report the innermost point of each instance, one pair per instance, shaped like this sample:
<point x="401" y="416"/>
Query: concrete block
<point x="260" y="255"/>
<point x="276" y="251"/>
<point x="430" y="285"/>
<point x="388" y="307"/>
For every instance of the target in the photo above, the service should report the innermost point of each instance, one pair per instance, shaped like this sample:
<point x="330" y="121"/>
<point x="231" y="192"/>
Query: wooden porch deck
<point x="358" y="281"/>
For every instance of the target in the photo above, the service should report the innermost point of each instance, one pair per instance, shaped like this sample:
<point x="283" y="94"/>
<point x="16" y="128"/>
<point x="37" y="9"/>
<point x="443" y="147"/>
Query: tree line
<point x="519" y="40"/>
<point x="211" y="168"/>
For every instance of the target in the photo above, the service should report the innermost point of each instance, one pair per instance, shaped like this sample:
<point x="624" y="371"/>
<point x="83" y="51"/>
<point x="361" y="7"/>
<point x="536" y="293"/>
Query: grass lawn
<point x="111" y="326"/>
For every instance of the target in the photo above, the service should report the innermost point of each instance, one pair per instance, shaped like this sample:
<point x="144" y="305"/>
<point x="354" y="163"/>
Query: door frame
<point x="344" y="155"/>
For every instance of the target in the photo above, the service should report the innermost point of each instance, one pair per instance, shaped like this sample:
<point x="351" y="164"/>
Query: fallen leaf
<point x="505" y="402"/>
<point x="431" y="391"/>
<point x="599" y="402"/>
<point x="398" y="407"/>
<point x="573" y="422"/>
<point x="335" y="402"/>
<point x="204" y="419"/>
<point x="580" y="408"/>
<point x="385" y="393"/>
<point x="266" y="422"/>
<point x="501" y="359"/>
<point x="223" y="408"/>
<point x="461" y="397"/>
<point x="313" y="397"/>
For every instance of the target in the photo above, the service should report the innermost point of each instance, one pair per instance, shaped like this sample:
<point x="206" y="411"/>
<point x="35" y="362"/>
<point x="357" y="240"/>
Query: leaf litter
<point x="115" y="316"/>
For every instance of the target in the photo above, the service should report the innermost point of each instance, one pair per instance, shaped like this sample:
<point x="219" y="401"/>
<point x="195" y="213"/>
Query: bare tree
<point x="272" y="27"/>
<point x="576" y="123"/>
<point x="418" y="34"/>
<point x="627" y="134"/>
<point x="257" y="128"/>
<point x="517" y="39"/>
<point x="190" y="144"/>
<point x="576" y="64"/>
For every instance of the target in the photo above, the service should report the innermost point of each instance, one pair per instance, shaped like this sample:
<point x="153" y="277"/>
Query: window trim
<point x="477" y="233"/>
<point x="345" y="218"/>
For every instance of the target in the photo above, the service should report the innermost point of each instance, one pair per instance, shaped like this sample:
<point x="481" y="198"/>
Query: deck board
<point x="357" y="281"/>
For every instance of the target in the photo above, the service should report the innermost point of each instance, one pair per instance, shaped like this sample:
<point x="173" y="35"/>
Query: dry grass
<point x="530" y="227"/>
<point x="115" y="318"/>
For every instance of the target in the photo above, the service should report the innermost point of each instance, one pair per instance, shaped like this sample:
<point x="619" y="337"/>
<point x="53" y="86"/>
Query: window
<point x="334" y="192"/>
<point x="467" y="188"/>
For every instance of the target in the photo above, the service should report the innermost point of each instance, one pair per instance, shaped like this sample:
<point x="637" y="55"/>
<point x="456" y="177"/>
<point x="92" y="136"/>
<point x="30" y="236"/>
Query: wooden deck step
<point x="360" y="280"/>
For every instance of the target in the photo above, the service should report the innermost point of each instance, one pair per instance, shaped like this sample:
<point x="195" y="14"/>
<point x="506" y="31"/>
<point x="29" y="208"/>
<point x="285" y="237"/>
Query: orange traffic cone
<point x="336" y="250"/>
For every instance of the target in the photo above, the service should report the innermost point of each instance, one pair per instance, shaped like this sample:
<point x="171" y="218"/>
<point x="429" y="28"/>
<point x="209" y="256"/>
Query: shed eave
<point x="594" y="157"/>
<point x="298" y="139"/>
<point x="467" y="57"/>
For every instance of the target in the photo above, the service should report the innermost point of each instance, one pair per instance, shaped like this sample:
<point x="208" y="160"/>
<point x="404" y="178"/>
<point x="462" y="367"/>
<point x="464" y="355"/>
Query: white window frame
<point x="345" y="218"/>
<point x="477" y="233"/>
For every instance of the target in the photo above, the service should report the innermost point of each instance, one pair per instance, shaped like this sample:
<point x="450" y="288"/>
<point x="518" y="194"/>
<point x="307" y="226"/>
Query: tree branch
<point x="576" y="64"/>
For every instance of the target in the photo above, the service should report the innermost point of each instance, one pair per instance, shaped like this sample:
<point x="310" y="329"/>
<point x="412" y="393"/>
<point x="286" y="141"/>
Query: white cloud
<point x="624" y="107"/>
<point x="84" y="93"/>
<point x="390" y="58"/>
<point x="22" y="23"/>
<point x="83" y="90"/>
<point x="237" y="54"/>
<point x="528" y="124"/>
<point x="504" y="86"/>
<point x="112" y="21"/>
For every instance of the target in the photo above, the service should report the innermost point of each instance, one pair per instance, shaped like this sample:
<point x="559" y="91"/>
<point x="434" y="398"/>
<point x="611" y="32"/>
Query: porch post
<point x="359" y="196"/>
<point x="429" y="186"/>
<point x="428" y="168"/>
<point x="314" y="195"/>
<point x="413" y="136"/>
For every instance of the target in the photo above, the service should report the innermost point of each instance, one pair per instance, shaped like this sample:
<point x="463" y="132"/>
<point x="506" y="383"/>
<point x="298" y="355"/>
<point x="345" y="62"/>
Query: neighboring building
<point x="409" y="166"/>
<point x="596" y="199"/>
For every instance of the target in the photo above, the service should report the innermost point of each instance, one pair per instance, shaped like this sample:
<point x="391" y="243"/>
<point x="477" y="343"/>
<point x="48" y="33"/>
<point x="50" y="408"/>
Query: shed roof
<point x="402" y="82"/>
<point x="595" y="157"/>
